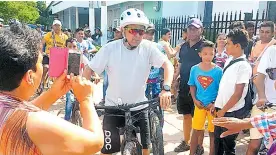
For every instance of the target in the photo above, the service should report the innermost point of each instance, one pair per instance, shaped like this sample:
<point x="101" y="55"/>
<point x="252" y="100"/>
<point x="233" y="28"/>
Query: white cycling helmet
<point x="133" y="16"/>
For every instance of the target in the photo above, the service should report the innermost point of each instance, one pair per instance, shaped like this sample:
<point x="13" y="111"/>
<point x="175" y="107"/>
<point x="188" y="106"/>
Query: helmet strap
<point x="128" y="46"/>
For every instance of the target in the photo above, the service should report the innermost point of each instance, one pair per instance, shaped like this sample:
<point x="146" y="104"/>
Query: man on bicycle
<point x="55" y="38"/>
<point x="128" y="62"/>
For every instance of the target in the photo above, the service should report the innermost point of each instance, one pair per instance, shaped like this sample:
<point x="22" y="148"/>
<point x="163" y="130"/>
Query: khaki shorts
<point x="254" y="133"/>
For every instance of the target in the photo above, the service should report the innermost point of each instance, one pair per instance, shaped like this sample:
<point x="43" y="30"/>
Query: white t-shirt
<point x="127" y="70"/>
<point x="238" y="73"/>
<point x="85" y="45"/>
<point x="268" y="60"/>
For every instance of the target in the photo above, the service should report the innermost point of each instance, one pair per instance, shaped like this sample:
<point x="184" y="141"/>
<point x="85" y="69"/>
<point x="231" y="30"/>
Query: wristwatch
<point x="166" y="88"/>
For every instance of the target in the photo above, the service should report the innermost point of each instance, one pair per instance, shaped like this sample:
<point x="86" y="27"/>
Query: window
<point x="115" y="23"/>
<point x="112" y="15"/>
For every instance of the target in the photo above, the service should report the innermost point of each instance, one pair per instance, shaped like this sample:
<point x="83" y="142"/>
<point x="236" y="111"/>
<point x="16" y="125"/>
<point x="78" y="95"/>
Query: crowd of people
<point x="223" y="82"/>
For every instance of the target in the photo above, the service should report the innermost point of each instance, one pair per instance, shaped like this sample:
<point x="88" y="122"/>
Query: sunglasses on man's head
<point x="135" y="31"/>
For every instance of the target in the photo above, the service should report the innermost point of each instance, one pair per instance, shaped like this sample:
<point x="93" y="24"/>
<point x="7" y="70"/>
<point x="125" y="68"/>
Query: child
<point x="204" y="84"/>
<point x="233" y="88"/>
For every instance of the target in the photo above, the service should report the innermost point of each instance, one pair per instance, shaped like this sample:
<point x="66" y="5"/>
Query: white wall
<point x="200" y="8"/>
<point x="67" y="4"/>
<point x="109" y="3"/>
<point x="244" y="6"/>
<point x="178" y="8"/>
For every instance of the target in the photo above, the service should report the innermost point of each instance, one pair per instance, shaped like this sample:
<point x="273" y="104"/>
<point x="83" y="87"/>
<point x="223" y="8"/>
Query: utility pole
<point x="91" y="16"/>
<point x="104" y="22"/>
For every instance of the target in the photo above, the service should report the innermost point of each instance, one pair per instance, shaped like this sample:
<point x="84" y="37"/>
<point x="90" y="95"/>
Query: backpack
<point x="250" y="93"/>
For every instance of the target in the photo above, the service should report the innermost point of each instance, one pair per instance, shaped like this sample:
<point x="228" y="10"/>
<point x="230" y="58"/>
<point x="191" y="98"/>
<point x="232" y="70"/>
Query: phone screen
<point x="74" y="62"/>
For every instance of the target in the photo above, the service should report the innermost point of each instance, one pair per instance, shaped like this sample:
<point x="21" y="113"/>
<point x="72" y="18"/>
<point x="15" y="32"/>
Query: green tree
<point x="44" y="18"/>
<point x="24" y="11"/>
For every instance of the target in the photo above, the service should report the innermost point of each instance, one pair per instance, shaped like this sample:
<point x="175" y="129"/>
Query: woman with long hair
<point x="221" y="55"/>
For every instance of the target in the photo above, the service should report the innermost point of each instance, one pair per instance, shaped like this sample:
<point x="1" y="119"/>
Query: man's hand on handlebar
<point x="261" y="103"/>
<point x="165" y="99"/>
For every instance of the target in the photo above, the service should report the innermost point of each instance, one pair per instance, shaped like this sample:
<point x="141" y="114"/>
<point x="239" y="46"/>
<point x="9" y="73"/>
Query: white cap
<point x="57" y="22"/>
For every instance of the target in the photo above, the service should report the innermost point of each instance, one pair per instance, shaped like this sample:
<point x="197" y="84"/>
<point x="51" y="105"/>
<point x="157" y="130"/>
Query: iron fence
<point x="220" y="23"/>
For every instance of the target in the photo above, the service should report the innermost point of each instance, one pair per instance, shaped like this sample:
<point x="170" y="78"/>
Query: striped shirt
<point x="14" y="139"/>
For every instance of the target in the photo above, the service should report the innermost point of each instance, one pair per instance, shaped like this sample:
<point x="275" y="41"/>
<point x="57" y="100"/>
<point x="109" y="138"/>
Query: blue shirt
<point x="206" y="83"/>
<point x="156" y="72"/>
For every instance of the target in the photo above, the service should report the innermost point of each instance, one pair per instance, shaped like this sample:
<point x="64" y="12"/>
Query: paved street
<point x="173" y="132"/>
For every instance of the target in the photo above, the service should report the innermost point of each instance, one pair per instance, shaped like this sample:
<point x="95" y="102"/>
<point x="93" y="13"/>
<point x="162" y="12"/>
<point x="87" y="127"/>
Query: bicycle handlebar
<point x="267" y="105"/>
<point x="127" y="106"/>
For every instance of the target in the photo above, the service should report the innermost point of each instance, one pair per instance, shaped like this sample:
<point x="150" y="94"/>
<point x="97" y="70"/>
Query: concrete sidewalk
<point x="173" y="132"/>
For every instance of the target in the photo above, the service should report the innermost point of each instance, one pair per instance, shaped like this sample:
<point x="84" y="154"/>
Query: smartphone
<point x="58" y="61"/>
<point x="74" y="62"/>
<point x="271" y="73"/>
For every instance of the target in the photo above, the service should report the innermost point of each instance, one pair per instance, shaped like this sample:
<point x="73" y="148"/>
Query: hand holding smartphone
<point x="58" y="61"/>
<point x="63" y="58"/>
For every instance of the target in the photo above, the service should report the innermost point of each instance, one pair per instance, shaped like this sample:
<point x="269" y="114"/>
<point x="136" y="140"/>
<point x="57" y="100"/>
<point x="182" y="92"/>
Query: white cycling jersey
<point x="127" y="70"/>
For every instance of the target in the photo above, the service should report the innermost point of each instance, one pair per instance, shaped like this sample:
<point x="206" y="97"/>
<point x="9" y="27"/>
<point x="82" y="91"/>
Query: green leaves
<point x="24" y="11"/>
<point x="44" y="18"/>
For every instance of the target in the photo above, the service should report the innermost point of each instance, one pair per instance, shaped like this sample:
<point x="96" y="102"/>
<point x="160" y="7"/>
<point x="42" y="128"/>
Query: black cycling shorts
<point x="45" y="60"/>
<point x="111" y="125"/>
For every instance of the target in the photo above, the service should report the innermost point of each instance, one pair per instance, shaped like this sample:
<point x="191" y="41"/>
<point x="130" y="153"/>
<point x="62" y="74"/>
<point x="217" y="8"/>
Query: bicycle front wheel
<point x="77" y="118"/>
<point x="130" y="148"/>
<point x="156" y="134"/>
<point x="76" y="115"/>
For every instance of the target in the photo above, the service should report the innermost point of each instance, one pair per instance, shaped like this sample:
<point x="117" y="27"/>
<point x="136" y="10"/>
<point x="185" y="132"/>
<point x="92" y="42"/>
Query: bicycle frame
<point x="268" y="105"/>
<point x="126" y="133"/>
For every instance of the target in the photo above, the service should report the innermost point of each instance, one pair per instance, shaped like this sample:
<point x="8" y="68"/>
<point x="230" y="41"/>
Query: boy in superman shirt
<point x="204" y="84"/>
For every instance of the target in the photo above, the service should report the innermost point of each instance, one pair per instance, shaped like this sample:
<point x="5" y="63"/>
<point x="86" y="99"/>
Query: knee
<point x="46" y="66"/>
<point x="254" y="147"/>
<point x="197" y="132"/>
<point x="187" y="117"/>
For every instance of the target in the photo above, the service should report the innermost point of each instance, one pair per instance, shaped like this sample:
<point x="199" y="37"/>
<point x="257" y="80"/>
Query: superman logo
<point x="205" y="81"/>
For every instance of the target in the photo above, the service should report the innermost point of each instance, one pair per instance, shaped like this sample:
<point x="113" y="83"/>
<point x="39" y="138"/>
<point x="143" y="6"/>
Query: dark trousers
<point x="226" y="145"/>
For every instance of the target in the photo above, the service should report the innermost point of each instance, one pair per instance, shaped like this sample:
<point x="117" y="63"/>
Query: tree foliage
<point x="44" y="18"/>
<point x="24" y="11"/>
